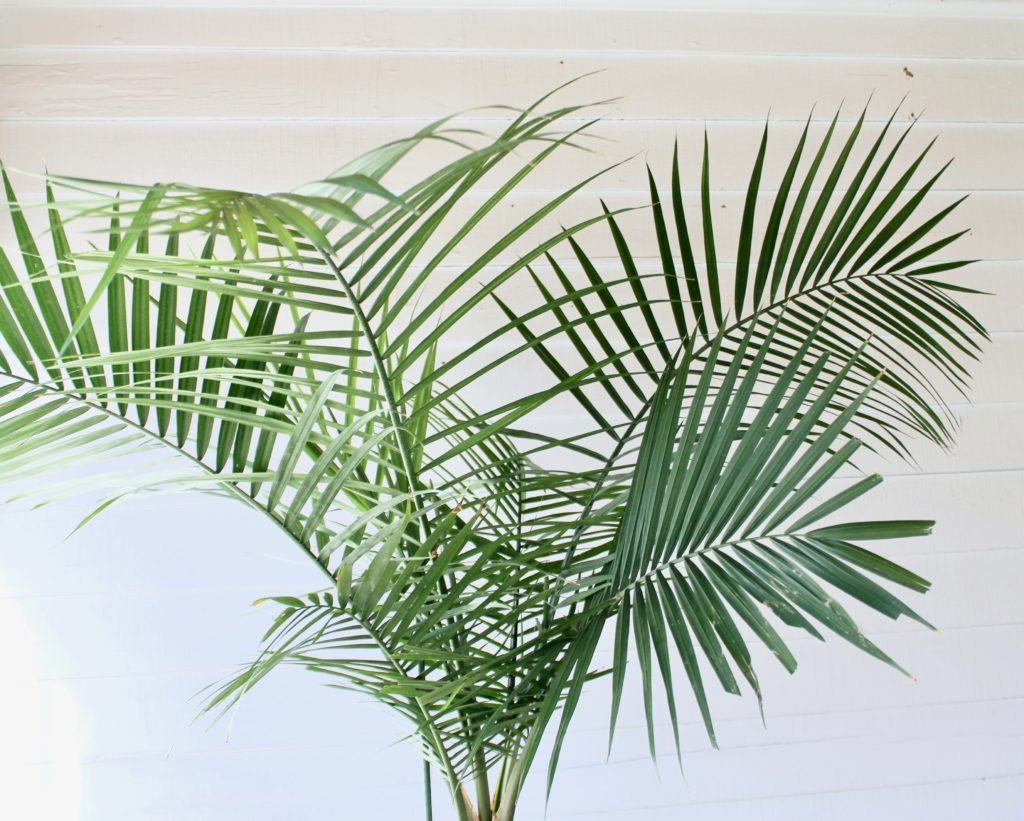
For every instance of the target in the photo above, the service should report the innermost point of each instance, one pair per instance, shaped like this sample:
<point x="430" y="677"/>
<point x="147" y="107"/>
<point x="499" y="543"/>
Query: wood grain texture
<point x="47" y="82"/>
<point x="108" y="638"/>
<point x="566" y="29"/>
<point x="278" y="154"/>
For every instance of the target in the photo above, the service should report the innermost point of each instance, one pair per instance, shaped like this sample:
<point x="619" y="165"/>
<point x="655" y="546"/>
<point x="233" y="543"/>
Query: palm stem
<point x="483" y="792"/>
<point x="398" y="421"/>
<point x="428" y="793"/>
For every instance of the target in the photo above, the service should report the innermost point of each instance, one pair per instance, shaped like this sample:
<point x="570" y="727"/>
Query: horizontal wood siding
<point x="109" y="634"/>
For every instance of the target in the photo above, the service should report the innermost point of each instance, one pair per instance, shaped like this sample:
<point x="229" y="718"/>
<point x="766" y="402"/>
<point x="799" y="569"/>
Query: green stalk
<point x="506" y="808"/>
<point x="428" y="792"/>
<point x="483" y="792"/>
<point x="407" y="464"/>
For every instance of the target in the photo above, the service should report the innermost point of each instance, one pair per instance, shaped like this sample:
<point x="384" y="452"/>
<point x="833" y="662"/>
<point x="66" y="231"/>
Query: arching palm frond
<point x="721" y="525"/>
<point x="863" y="247"/>
<point x="297" y="351"/>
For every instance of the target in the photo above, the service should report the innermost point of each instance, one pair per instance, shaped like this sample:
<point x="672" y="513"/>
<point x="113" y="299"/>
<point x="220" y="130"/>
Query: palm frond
<point x="293" y="351"/>
<point x="852" y="259"/>
<point x="716" y="526"/>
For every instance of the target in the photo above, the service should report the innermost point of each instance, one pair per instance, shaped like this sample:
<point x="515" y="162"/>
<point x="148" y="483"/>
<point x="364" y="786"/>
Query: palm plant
<point x="294" y="352"/>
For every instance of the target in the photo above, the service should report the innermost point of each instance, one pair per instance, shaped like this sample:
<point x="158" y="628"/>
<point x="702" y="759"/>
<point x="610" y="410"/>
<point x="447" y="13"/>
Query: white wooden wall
<point x="106" y="636"/>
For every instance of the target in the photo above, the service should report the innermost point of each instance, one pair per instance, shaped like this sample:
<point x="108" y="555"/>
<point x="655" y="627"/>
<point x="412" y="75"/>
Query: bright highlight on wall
<point x="40" y="767"/>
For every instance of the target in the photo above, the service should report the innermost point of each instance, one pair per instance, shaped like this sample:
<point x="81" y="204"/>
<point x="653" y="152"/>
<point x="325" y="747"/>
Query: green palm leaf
<point x="293" y="351"/>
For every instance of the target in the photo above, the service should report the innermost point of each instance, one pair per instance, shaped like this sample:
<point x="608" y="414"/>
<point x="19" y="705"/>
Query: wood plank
<point x="990" y="217"/>
<point x="954" y="502"/>
<point x="47" y="83"/>
<point x="954" y="569"/>
<point x="156" y="712"/>
<point x="997" y="377"/>
<point x="835" y="679"/>
<point x="255" y="562"/>
<point x="992" y="9"/>
<point x="277" y="155"/>
<point x="985" y="442"/>
<point x="1000" y="307"/>
<point x="936" y="743"/>
<point x="148" y="632"/>
<point x="220" y="785"/>
<point x="995" y="796"/>
<point x="564" y="28"/>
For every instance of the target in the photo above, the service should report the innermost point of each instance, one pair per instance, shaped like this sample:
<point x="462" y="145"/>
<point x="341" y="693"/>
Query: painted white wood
<point x="997" y="211"/>
<point x="269" y="154"/>
<point x="107" y="637"/>
<point x="47" y="82"/>
<point x="992" y="9"/>
<point x="758" y="29"/>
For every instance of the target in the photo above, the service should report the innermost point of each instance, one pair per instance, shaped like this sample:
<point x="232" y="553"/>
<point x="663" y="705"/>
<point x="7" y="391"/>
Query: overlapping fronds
<point x="295" y="351"/>
<point x="853" y="237"/>
<point x="722" y="527"/>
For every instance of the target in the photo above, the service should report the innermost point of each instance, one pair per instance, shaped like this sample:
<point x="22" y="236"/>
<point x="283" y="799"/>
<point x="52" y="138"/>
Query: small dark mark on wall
<point x="908" y="72"/>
